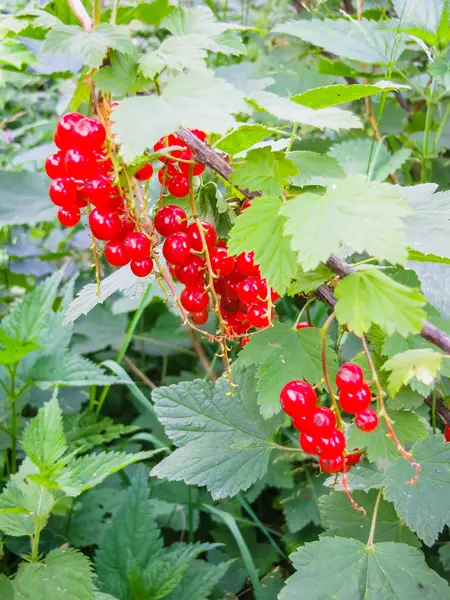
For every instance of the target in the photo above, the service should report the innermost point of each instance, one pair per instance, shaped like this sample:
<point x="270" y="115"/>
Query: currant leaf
<point x="302" y="505"/>
<point x="422" y="364"/>
<point x="314" y="168"/>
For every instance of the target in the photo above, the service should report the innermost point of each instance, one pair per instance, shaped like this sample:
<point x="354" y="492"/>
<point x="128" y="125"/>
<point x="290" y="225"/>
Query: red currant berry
<point x="230" y="305"/>
<point x="55" y="165"/>
<point x="447" y="433"/>
<point x="64" y="130"/>
<point x="127" y="226"/>
<point x="222" y="263"/>
<point x="331" y="445"/>
<point x="200" y="318"/>
<point x="303" y="325"/>
<point x="273" y="294"/>
<point x="137" y="246"/>
<point x="251" y="290"/>
<point x="245" y="264"/>
<point x="357" y="401"/>
<point x="89" y="135"/>
<point x="331" y="465"/>
<point x="231" y="286"/>
<point x="105" y="225"/>
<point x="177" y="249"/>
<point x="185" y="167"/>
<point x="308" y="443"/>
<point x="353" y="459"/>
<point x="350" y="377"/>
<point x="298" y="397"/>
<point x="169" y="219"/>
<point x="80" y="166"/>
<point x="323" y="422"/>
<point x="194" y="299"/>
<point x="245" y="340"/>
<point x="246" y="204"/>
<point x="104" y="163"/>
<point x="178" y="187"/>
<point x="63" y="191"/>
<point x="164" y="177"/>
<point x="69" y="216"/>
<point x="192" y="272"/>
<point x="142" y="268"/>
<point x="144" y="173"/>
<point x="195" y="237"/>
<point x="115" y="253"/>
<point x="98" y="191"/>
<point x="199" y="133"/>
<point x="166" y="142"/>
<point x="366" y="420"/>
<point x="258" y="315"/>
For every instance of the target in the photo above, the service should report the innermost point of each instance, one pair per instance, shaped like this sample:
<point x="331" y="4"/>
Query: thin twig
<point x="441" y="408"/>
<point x="139" y="373"/>
<point x="202" y="355"/>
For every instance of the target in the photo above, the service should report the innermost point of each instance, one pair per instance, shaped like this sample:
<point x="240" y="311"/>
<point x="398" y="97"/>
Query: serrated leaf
<point x="224" y="443"/>
<point x="422" y="364"/>
<point x="354" y="570"/>
<point x="308" y="281"/>
<point x="425" y="506"/>
<point x="343" y="520"/>
<point x="199" y="579"/>
<point x="243" y="137"/>
<point x="259" y="228"/>
<point x="13" y="355"/>
<point x="89" y="47"/>
<point x="444" y="556"/>
<point x="301" y="506"/>
<point x="85" y="430"/>
<point x="13" y="53"/>
<point x="65" y="573"/>
<point x="314" y="168"/>
<point x="364" y="477"/>
<point x="408" y="428"/>
<point x="332" y="95"/>
<point x="212" y="207"/>
<point x="194" y="100"/>
<point x="366" y="41"/>
<point x="68" y="369"/>
<point x="365" y="216"/>
<point x="281" y="354"/>
<point x="263" y="170"/>
<point x="424" y="16"/>
<point x="43" y="440"/>
<point x="368" y="297"/>
<point x="435" y="282"/>
<point x="121" y="76"/>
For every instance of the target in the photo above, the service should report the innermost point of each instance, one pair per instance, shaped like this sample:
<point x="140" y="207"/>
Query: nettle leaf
<point x="302" y="505"/>
<point x="243" y="137"/>
<point x="332" y="95"/>
<point x="287" y="110"/>
<point x="365" y="216"/>
<point x="354" y="570"/>
<point x="281" y="354"/>
<point x="314" y="168"/>
<point x="425" y="506"/>
<point x="199" y="580"/>
<point x="263" y="170"/>
<point x="91" y="47"/>
<point x="85" y="431"/>
<point x="14" y="353"/>
<point x="68" y="369"/>
<point x="191" y="100"/>
<point x="308" y="281"/>
<point x="43" y="440"/>
<point x="343" y="520"/>
<point x="121" y="77"/>
<point x="408" y="428"/>
<point x="224" y="443"/>
<point x="422" y="364"/>
<point x="260" y="229"/>
<point x="367" y="41"/>
<point x="424" y="16"/>
<point x="63" y="569"/>
<point x="368" y="297"/>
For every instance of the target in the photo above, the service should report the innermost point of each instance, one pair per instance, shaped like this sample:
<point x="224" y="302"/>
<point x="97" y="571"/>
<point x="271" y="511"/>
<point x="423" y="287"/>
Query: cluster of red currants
<point x="355" y="396"/>
<point x="243" y="294"/>
<point x="317" y="426"/>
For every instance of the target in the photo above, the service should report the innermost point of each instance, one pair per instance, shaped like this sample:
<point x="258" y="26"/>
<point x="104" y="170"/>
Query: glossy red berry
<point x="80" y="166"/>
<point x="185" y="167"/>
<point x="258" y="315"/>
<point x="331" y="445"/>
<point x="99" y="191"/>
<point x="246" y="205"/>
<point x="127" y="225"/>
<point x="366" y="420"/>
<point x="323" y="422"/>
<point x="169" y="219"/>
<point x="231" y="286"/>
<point x="357" y="401"/>
<point x="303" y="325"/>
<point x="178" y="187"/>
<point x="353" y="459"/>
<point x="64" y="137"/>
<point x="308" y="443"/>
<point x="63" y="191"/>
<point x="222" y="263"/>
<point x="194" y="299"/>
<point x="144" y="173"/>
<point x="350" y="377"/>
<point x="251" y="290"/>
<point x="298" y="397"/>
<point x="192" y="272"/>
<point x="89" y="135"/>
<point x="246" y="265"/>
<point x="115" y="253"/>
<point x="137" y="246"/>
<point x="200" y="318"/>
<point x="142" y="268"/>
<point x="199" y="133"/>
<point x="331" y="465"/>
<point x="177" y="249"/>
<point x="55" y="164"/>
<point x="447" y="433"/>
<point x="195" y="237"/>
<point x="69" y="215"/>
<point x="244" y="341"/>
<point x="105" y="225"/>
<point x="104" y="163"/>
<point x="166" y="142"/>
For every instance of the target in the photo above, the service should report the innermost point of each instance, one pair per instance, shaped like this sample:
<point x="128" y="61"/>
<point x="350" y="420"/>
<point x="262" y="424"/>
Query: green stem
<point x="96" y="13"/>
<point x="190" y="517"/>
<point x="433" y="411"/>
<point x="292" y="138"/>
<point x="12" y="396"/>
<point x="374" y="518"/>
<point x="440" y="129"/>
<point x="246" y="506"/>
<point x="114" y="12"/>
<point x="426" y="139"/>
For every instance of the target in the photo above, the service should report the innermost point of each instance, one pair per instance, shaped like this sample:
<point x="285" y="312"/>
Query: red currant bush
<point x="332" y="465"/>
<point x="69" y="216"/>
<point x="170" y="219"/>
<point x="331" y="445"/>
<point x="298" y="397"/>
<point x="115" y="253"/>
<point x="366" y="420"/>
<point x="194" y="299"/>
<point x="356" y="401"/>
<point x="177" y="248"/>
<point x="349" y="378"/>
<point x="194" y="235"/>
<point x="142" y="268"/>
<point x="105" y="225"/>
<point x="137" y="246"/>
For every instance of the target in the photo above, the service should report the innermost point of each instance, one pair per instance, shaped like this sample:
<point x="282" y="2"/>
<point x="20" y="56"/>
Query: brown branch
<point x="202" y="355"/>
<point x="81" y="14"/>
<point x="441" y="409"/>
<point x="139" y="373"/>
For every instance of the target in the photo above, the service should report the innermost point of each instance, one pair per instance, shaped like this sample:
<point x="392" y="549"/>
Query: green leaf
<point x="121" y="77"/>
<point x="24" y="199"/>
<point x="259" y="228"/>
<point x="243" y="137"/>
<point x="440" y="71"/>
<point x="368" y="297"/>
<point x="408" y="428"/>
<point x="191" y="100"/>
<point x="365" y="216"/>
<point x="364" y="477"/>
<point x="199" y="580"/>
<point x="341" y="568"/>
<point x="212" y="207"/>
<point x="343" y="520"/>
<point x="424" y="16"/>
<point x="314" y="168"/>
<point x="6" y="588"/>
<point x="13" y="53"/>
<point x="425" y="506"/>
<point x="332" y="95"/>
<point x="308" y="281"/>
<point x="13" y="354"/>
<point x="68" y="369"/>
<point x="362" y="40"/>
<point x="224" y="443"/>
<point x="281" y="354"/>
<point x="422" y="364"/>
<point x="301" y="506"/>
<point x="85" y="430"/>
<point x="64" y="574"/>
<point x="89" y="47"/>
<point x="43" y="440"/>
